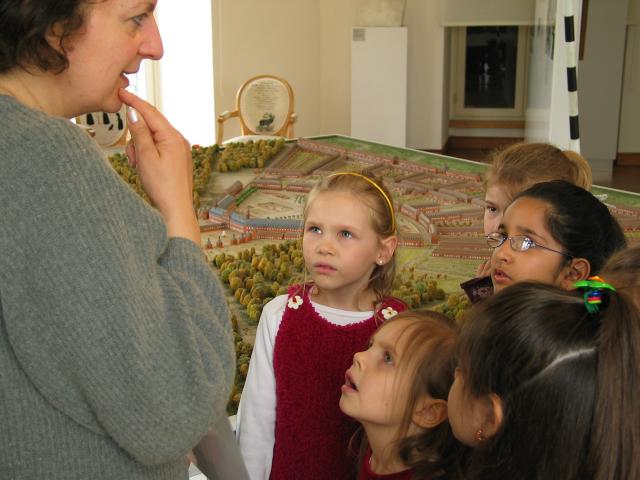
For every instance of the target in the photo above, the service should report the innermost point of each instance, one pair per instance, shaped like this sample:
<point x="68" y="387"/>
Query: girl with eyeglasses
<point x="519" y="166"/>
<point x="555" y="233"/>
<point x="512" y="170"/>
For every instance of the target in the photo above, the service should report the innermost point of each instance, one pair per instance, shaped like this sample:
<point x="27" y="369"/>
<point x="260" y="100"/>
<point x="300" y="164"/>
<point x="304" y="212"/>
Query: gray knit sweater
<point x="116" y="350"/>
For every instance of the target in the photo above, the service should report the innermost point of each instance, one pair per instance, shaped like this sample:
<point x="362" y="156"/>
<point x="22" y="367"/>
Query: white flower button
<point x="388" y="312"/>
<point x="295" y="302"/>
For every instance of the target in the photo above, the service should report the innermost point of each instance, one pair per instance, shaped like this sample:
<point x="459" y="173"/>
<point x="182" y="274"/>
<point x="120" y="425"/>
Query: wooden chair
<point x="264" y="106"/>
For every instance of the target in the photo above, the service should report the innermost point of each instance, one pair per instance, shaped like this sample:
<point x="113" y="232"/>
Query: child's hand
<point x="162" y="158"/>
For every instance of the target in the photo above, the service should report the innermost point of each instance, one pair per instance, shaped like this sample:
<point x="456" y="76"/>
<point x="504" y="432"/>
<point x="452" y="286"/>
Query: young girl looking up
<point x="397" y="390"/>
<point x="548" y="382"/>
<point x="554" y="233"/>
<point x="289" y="423"/>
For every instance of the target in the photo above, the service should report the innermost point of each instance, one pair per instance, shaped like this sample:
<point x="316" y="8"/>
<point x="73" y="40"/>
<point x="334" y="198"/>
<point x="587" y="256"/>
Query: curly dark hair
<point x="24" y="26"/>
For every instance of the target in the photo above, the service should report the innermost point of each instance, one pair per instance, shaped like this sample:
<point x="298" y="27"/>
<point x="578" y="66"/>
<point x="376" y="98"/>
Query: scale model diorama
<point x="250" y="215"/>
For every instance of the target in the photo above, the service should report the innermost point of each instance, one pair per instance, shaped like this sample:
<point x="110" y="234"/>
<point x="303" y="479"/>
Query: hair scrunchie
<point x="593" y="288"/>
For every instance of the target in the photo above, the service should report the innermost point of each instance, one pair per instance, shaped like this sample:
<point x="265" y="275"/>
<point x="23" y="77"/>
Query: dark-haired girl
<point x="397" y="390"/>
<point x="555" y="233"/>
<point x="548" y="382"/>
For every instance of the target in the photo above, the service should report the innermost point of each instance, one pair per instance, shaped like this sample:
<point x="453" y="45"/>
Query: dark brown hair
<point x="24" y="26"/>
<point x="569" y="382"/>
<point x="622" y="269"/>
<point x="429" y="360"/>
<point x="580" y="222"/>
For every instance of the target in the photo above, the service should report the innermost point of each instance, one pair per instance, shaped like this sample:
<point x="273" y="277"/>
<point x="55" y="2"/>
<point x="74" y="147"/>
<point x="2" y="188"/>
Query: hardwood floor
<point x="622" y="178"/>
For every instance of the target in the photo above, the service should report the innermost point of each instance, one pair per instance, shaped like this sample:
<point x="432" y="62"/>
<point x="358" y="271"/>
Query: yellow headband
<point x="382" y="192"/>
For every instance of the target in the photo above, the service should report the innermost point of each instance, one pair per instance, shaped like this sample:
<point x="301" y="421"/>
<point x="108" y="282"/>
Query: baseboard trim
<point x="498" y="124"/>
<point x="440" y="151"/>
<point x="628" y="159"/>
<point x="479" y="143"/>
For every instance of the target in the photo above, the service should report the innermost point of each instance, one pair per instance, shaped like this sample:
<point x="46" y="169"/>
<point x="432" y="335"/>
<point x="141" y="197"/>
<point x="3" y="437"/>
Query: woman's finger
<point x="130" y="150"/>
<point x="152" y="117"/>
<point x="141" y="137"/>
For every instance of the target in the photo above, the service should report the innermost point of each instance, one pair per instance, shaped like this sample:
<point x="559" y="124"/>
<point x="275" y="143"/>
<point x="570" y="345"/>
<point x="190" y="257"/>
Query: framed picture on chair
<point x="264" y="106"/>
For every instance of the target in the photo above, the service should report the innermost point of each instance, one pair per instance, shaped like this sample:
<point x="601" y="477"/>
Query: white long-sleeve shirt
<point x="257" y="412"/>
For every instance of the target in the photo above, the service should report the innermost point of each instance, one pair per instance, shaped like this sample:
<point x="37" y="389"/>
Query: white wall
<point x="308" y="42"/>
<point x="600" y="82"/>
<point x="427" y="109"/>
<point x="628" y="139"/>
<point x="379" y="73"/>
<point x="456" y="13"/>
<point x="254" y="37"/>
<point x="183" y="87"/>
<point x="336" y="19"/>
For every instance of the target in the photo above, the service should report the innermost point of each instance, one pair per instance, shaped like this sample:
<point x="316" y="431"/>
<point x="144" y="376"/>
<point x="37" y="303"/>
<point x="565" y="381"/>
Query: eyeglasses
<point x="518" y="243"/>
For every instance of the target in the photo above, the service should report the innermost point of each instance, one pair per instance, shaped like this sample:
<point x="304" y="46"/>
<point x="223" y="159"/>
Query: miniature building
<point x="226" y="202"/>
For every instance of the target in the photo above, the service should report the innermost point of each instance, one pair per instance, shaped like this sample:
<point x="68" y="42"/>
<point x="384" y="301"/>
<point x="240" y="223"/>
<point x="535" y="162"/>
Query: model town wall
<point x="286" y="173"/>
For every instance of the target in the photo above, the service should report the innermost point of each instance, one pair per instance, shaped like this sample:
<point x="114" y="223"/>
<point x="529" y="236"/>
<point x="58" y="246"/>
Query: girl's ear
<point x="387" y="248"/>
<point x="578" y="269"/>
<point x="430" y="412"/>
<point x="495" y="416"/>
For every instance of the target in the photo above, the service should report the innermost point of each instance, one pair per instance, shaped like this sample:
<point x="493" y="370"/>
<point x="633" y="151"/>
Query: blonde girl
<point x="397" y="390"/>
<point x="290" y="425"/>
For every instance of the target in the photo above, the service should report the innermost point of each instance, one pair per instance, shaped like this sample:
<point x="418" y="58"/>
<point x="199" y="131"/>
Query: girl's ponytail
<point x="616" y="424"/>
<point x="566" y="367"/>
<point x="616" y="433"/>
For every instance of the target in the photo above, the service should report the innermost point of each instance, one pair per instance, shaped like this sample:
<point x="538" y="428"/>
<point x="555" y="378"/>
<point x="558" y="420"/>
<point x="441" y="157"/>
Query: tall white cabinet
<point x="379" y="84"/>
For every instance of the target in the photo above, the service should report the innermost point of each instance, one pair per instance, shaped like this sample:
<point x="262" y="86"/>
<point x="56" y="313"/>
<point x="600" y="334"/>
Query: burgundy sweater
<point x="310" y="358"/>
<point x="367" y="474"/>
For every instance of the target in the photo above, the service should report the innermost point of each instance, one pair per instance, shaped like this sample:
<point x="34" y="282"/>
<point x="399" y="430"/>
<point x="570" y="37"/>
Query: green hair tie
<point x="593" y="287"/>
